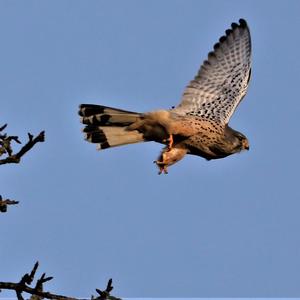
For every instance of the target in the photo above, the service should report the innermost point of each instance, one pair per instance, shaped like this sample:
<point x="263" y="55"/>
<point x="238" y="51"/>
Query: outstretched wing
<point x="222" y="80"/>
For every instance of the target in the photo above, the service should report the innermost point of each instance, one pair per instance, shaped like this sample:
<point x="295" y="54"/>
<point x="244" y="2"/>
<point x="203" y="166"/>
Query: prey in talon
<point x="199" y="124"/>
<point x="169" y="157"/>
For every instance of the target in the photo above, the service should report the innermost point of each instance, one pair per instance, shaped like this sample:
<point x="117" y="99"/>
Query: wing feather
<point x="223" y="78"/>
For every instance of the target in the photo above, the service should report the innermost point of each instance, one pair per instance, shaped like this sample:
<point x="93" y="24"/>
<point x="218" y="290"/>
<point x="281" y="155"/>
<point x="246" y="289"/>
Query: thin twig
<point x="105" y="295"/>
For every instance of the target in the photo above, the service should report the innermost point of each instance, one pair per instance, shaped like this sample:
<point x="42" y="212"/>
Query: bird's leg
<point x="170" y="141"/>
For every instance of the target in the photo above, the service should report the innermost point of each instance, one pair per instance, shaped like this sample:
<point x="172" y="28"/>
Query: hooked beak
<point x="246" y="145"/>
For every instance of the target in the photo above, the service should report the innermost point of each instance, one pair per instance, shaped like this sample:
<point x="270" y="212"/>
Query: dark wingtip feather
<point x="228" y="31"/>
<point x="206" y="63"/>
<point x="216" y="46"/>
<point x="234" y="25"/>
<point x="211" y="54"/>
<point x="222" y="39"/>
<point x="243" y="23"/>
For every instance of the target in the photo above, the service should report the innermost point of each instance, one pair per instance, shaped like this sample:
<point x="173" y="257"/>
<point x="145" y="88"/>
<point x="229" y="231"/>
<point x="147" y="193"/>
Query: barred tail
<point x="107" y="126"/>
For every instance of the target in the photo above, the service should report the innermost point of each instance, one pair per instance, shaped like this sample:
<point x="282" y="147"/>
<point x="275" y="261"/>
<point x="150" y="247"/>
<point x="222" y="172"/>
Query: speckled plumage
<point x="199" y="124"/>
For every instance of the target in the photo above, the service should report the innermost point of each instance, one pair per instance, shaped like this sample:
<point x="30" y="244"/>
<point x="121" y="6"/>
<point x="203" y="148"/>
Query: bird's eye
<point x="240" y="137"/>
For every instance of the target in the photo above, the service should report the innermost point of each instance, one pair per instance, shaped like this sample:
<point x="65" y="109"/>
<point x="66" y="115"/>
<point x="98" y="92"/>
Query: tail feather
<point x="107" y="126"/>
<point x="86" y="110"/>
<point x="106" y="119"/>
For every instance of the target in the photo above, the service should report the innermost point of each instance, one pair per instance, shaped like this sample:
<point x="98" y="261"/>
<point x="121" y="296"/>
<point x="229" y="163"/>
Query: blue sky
<point x="225" y="228"/>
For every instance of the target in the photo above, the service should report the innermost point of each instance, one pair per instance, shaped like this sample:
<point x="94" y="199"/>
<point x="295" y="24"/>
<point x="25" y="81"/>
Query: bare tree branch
<point x="5" y="202"/>
<point x="37" y="292"/>
<point x="6" y="148"/>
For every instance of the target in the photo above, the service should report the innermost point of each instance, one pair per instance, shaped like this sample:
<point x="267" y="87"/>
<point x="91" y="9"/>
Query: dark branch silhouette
<point x="24" y="286"/>
<point x="6" y="148"/>
<point x="11" y="157"/>
<point x="5" y="202"/>
<point x="103" y="295"/>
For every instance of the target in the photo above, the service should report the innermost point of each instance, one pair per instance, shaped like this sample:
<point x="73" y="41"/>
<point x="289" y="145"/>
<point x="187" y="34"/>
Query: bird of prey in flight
<point x="199" y="124"/>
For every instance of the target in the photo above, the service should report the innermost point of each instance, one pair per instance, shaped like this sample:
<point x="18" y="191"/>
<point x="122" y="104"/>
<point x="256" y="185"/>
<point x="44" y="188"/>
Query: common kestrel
<point x="199" y="124"/>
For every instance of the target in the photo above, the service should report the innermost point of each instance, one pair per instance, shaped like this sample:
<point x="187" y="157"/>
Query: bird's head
<point x="241" y="141"/>
<point x="237" y="140"/>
